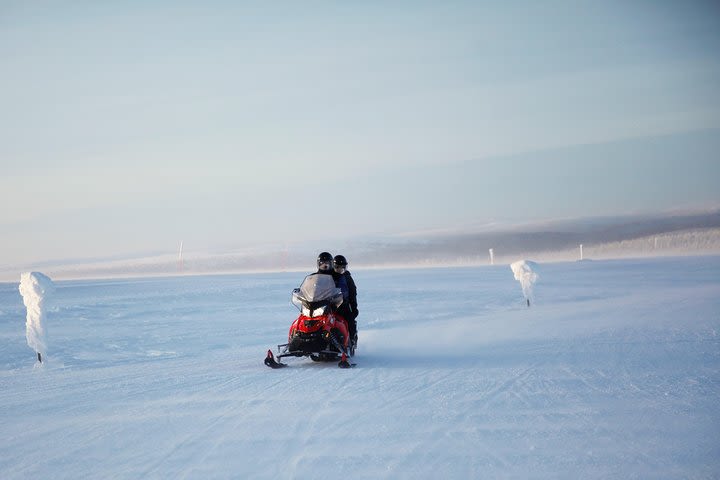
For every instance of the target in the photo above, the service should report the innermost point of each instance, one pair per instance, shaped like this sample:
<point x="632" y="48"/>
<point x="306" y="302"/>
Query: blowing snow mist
<point x="525" y="273"/>
<point x="35" y="289"/>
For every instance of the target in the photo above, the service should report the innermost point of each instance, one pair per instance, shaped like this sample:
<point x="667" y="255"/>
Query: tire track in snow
<point x="211" y="439"/>
<point x="506" y="386"/>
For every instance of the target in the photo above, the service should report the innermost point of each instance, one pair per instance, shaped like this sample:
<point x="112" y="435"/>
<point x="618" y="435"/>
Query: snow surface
<point x="36" y="288"/>
<point x="614" y="372"/>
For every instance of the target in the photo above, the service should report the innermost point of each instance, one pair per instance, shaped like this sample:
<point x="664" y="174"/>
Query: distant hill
<point x="602" y="238"/>
<point x="679" y="233"/>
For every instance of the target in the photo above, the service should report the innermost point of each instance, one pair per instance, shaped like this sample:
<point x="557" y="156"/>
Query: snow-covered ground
<point x="613" y="372"/>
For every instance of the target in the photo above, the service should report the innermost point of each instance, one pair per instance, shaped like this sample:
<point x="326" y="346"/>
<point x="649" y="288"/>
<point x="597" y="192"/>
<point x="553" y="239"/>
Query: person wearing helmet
<point x="324" y="263"/>
<point x="340" y="268"/>
<point x="325" y="266"/>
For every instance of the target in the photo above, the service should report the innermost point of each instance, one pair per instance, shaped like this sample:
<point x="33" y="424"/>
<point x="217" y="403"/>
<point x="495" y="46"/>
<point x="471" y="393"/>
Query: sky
<point x="127" y="127"/>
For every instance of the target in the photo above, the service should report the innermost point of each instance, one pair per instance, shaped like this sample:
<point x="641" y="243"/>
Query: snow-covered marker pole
<point x="525" y="273"/>
<point x="36" y="289"/>
<point x="181" y="265"/>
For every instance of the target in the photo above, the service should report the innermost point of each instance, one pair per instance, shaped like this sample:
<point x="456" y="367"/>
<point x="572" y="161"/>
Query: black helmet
<point x="326" y="258"/>
<point x="339" y="261"/>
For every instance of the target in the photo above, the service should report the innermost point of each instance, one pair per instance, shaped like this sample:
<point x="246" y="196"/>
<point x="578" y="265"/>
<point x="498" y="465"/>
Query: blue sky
<point x="129" y="126"/>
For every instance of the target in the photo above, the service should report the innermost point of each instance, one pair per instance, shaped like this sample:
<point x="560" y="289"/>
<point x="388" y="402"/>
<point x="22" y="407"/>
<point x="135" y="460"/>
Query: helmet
<point x="339" y="261"/>
<point x="324" y="258"/>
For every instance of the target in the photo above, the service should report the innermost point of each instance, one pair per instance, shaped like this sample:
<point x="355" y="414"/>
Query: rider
<point x="325" y="266"/>
<point x="325" y="263"/>
<point x="340" y="268"/>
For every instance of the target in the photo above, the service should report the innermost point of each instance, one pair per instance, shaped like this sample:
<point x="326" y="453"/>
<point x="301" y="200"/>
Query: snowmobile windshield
<point x="316" y="292"/>
<point x="319" y="287"/>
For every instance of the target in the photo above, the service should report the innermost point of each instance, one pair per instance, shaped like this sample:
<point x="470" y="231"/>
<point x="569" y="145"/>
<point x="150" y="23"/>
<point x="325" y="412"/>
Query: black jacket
<point x="352" y="300"/>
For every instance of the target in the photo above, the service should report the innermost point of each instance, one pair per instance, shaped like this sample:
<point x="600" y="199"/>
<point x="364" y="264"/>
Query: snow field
<point x="613" y="372"/>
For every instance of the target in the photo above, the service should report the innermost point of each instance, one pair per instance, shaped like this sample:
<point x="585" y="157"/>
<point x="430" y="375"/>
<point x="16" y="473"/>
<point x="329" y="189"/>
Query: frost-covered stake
<point x="36" y="289"/>
<point x="525" y="273"/>
<point x="181" y="265"/>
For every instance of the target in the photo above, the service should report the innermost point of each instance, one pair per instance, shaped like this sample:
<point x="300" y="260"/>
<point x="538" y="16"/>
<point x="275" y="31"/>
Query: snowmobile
<point x="319" y="332"/>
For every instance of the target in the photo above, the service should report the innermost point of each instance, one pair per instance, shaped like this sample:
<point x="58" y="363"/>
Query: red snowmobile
<point x="319" y="332"/>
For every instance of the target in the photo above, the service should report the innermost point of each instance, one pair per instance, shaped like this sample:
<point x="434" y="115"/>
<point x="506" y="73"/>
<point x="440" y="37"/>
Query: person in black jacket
<point x="325" y="267"/>
<point x="340" y="268"/>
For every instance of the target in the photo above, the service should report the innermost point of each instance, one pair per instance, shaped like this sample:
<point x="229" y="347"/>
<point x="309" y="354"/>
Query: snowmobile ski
<point x="271" y="362"/>
<point x="346" y="364"/>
